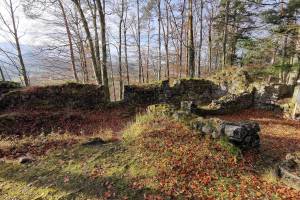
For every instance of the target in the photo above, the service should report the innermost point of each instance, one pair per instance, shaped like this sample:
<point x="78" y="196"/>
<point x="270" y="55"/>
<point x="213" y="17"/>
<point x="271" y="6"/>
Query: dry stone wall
<point x="199" y="91"/>
<point x="71" y="95"/>
<point x="266" y="96"/>
<point x="7" y="86"/>
<point x="228" y="104"/>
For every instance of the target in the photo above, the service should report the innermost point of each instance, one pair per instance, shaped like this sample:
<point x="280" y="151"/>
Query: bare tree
<point x="93" y="9"/>
<point x="159" y="38"/>
<point x="166" y="40"/>
<point x="69" y="39"/>
<point x="201" y="37"/>
<point x="125" y="27"/>
<point x="90" y="40"/>
<point x="121" y="15"/>
<point x="101" y="12"/>
<point x="191" y="47"/>
<point x="225" y="34"/>
<point x="12" y="29"/>
<point x="139" y="42"/>
<point x="2" y="74"/>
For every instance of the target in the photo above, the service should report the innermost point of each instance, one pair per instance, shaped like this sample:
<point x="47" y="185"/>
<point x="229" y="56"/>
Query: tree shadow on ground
<point x="81" y="183"/>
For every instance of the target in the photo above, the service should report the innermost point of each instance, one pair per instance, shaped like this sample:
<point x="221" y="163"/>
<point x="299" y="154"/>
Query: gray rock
<point x="187" y="106"/>
<point x="243" y="134"/>
<point x="289" y="170"/>
<point x="25" y="159"/>
<point x="93" y="142"/>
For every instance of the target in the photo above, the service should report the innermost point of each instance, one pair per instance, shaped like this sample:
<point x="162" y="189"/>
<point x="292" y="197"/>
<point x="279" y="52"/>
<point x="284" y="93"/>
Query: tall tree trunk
<point x="19" y="51"/>
<point x="201" y="38"/>
<point x="181" y="40"/>
<point x="210" y="43"/>
<point x="97" y="46"/>
<point x="69" y="40"/>
<point x="112" y="73"/>
<point x="80" y="46"/>
<point x="159" y="39"/>
<point x="120" y="50"/>
<point x="139" y="42"/>
<point x="90" y="41"/>
<point x="166" y="41"/>
<point x="1" y="74"/>
<point x="125" y="46"/>
<point x="191" y="47"/>
<point x="284" y="58"/>
<point x="101" y="10"/>
<point x="225" y="33"/>
<point x="148" y="49"/>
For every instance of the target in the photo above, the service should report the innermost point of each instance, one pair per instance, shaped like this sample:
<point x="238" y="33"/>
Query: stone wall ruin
<point x="70" y="95"/>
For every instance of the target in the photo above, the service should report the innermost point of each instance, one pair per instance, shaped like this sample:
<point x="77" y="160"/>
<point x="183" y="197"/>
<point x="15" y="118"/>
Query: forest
<point x="149" y="99"/>
<point x="115" y="43"/>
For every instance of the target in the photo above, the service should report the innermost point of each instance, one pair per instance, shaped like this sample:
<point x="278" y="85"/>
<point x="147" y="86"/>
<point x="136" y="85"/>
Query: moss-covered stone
<point x="161" y="109"/>
<point x="7" y="86"/>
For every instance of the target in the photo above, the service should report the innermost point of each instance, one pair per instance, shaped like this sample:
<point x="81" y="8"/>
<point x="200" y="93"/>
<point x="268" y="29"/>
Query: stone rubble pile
<point x="244" y="135"/>
<point x="289" y="170"/>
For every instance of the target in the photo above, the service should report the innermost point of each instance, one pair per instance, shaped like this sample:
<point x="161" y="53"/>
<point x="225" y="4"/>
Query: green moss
<point x="233" y="150"/>
<point x="160" y="109"/>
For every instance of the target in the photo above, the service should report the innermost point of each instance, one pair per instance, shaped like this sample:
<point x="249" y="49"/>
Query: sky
<point x="29" y="29"/>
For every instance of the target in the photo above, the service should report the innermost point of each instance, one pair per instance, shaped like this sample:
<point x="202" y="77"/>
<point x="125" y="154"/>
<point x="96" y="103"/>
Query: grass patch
<point x="233" y="150"/>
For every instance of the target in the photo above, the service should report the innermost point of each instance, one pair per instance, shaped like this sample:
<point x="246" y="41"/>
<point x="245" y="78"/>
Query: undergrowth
<point x="158" y="158"/>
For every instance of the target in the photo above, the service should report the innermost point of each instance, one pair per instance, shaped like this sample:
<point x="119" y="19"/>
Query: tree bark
<point x="97" y="46"/>
<point x="225" y="34"/>
<point x="181" y="40"/>
<point x="166" y="41"/>
<point x="191" y="47"/>
<point x="120" y="50"/>
<point x="148" y="50"/>
<point x="210" y="43"/>
<point x="159" y="39"/>
<point x="201" y="38"/>
<point x="101" y="10"/>
<point x="2" y="75"/>
<point x="125" y="46"/>
<point x="112" y="73"/>
<point x="139" y="42"/>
